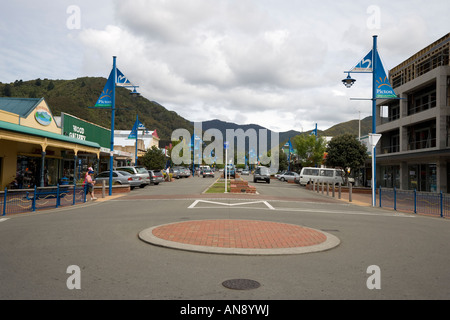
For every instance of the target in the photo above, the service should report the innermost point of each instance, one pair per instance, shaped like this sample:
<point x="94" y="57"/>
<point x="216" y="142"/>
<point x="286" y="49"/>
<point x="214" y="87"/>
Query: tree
<point x="154" y="159"/>
<point x="345" y="151"/>
<point x="310" y="149"/>
<point x="7" y="90"/>
<point x="283" y="161"/>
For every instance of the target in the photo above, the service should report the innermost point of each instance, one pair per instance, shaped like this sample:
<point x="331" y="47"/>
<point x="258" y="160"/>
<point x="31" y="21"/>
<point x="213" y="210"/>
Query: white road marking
<point x="194" y="204"/>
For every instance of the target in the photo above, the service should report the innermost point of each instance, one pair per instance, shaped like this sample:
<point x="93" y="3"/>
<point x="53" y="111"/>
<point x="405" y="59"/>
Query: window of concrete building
<point x="390" y="176"/>
<point x="422" y="100"/>
<point x="422" y="177"/>
<point x="422" y="136"/>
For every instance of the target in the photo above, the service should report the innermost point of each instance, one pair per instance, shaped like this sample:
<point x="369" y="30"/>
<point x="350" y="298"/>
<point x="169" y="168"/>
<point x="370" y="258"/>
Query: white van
<point x="332" y="176"/>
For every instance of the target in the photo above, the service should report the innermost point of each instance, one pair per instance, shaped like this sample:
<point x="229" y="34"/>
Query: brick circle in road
<point x="239" y="237"/>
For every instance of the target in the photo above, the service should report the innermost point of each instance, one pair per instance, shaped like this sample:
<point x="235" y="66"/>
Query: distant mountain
<point x="222" y="126"/>
<point x="76" y="96"/>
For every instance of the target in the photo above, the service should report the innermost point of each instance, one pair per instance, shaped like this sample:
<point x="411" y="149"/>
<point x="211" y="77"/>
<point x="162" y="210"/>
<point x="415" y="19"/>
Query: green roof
<point x="40" y="133"/>
<point x="20" y="106"/>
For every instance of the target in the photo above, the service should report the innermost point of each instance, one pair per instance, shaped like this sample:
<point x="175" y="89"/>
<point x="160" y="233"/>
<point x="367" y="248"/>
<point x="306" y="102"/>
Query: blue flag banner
<point x="291" y="149"/>
<point x="105" y="100"/>
<point x="134" y="132"/>
<point x="365" y="65"/>
<point x="384" y="88"/>
<point x="123" y="81"/>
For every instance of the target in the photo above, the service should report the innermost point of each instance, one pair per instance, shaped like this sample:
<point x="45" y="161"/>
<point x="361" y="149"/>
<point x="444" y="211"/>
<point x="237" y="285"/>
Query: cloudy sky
<point x="277" y="63"/>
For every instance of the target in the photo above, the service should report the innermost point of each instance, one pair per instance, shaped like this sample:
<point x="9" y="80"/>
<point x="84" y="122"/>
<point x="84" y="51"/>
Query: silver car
<point x="261" y="173"/>
<point x="288" y="176"/>
<point x="119" y="178"/>
<point x="156" y="176"/>
<point x="138" y="171"/>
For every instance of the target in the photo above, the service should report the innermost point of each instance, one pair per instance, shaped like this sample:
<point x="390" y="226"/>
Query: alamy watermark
<point x="74" y="280"/>
<point x="374" y="20"/>
<point x="374" y="281"/>
<point x="208" y="147"/>
<point x="73" y="22"/>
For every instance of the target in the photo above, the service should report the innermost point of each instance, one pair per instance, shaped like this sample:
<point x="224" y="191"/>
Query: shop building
<point x="33" y="152"/>
<point x="145" y="140"/>
<point x="414" y="151"/>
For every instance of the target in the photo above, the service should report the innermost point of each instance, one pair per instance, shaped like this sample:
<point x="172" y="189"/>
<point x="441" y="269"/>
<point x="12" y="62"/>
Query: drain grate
<point x="241" y="284"/>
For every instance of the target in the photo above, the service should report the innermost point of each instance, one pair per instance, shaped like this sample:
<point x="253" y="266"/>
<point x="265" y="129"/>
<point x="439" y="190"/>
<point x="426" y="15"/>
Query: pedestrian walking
<point x="90" y="182"/>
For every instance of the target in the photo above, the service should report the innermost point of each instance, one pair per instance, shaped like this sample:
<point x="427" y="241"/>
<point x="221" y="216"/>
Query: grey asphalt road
<point x="101" y="238"/>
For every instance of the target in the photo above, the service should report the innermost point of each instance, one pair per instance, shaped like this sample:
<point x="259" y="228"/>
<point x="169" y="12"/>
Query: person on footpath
<point x="89" y="180"/>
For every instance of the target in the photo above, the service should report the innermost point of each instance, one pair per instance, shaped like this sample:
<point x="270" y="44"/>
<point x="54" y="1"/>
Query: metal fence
<point x="29" y="200"/>
<point x="432" y="203"/>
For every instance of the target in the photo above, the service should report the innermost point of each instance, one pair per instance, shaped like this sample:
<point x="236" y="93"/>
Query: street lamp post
<point x="113" y="111"/>
<point x="348" y="82"/>
<point x="107" y="100"/>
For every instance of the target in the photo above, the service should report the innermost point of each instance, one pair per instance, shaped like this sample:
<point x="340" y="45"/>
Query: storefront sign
<point x="85" y="131"/>
<point x="43" y="116"/>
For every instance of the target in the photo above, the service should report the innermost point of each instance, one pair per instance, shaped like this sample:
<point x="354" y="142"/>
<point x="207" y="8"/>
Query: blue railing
<point x="432" y="203"/>
<point x="29" y="200"/>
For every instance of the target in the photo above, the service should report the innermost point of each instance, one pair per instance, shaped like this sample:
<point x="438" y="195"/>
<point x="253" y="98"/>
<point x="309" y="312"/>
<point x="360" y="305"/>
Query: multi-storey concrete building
<point x="414" y="151"/>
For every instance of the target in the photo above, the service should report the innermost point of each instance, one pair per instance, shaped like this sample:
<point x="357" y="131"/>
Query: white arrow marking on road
<point x="230" y="204"/>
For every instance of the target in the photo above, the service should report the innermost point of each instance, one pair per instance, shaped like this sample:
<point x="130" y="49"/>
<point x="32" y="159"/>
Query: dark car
<point x="156" y="176"/>
<point x="261" y="173"/>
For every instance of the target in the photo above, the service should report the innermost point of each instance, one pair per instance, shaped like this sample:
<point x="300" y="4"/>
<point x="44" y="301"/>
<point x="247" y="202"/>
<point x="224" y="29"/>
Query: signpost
<point x="373" y="140"/>
<point x="226" y="145"/>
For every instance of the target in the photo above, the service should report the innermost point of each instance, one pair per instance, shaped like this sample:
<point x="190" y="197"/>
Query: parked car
<point x="280" y="173"/>
<point x="261" y="173"/>
<point x="140" y="172"/>
<point x="176" y="174"/>
<point x="208" y="173"/>
<point x="245" y="172"/>
<point x="156" y="176"/>
<point x="288" y="176"/>
<point x="120" y="177"/>
<point x="184" y="172"/>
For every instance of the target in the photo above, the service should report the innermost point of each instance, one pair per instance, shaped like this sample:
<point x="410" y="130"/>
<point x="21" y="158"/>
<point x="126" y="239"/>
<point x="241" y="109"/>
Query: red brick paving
<point x="245" y="234"/>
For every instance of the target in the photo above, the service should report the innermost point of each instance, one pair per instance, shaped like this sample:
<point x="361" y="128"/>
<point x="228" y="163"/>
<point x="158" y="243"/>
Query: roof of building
<point x="20" y="106"/>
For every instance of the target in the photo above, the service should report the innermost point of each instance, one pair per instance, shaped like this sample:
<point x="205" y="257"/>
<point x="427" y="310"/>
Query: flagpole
<point x="374" y="120"/>
<point x="136" y="147"/>
<point x="113" y="109"/>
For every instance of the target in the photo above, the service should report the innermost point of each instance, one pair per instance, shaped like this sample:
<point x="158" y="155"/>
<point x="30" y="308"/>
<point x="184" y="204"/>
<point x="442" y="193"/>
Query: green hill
<point x="75" y="96"/>
<point x="351" y="127"/>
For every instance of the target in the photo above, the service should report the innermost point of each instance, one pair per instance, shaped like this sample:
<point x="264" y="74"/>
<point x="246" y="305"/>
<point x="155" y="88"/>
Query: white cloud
<point x="275" y="63"/>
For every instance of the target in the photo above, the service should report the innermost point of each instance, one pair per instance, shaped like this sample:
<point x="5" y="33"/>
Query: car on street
<point x="280" y="173"/>
<point x="288" y="176"/>
<point x="319" y="175"/>
<point x="156" y="176"/>
<point x="184" y="172"/>
<point x="231" y="171"/>
<point x="208" y="173"/>
<point x="138" y="171"/>
<point x="245" y="172"/>
<point x="261" y="173"/>
<point x="119" y="178"/>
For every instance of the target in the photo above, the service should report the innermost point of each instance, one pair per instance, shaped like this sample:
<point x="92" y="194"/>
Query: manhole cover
<point x="241" y="284"/>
